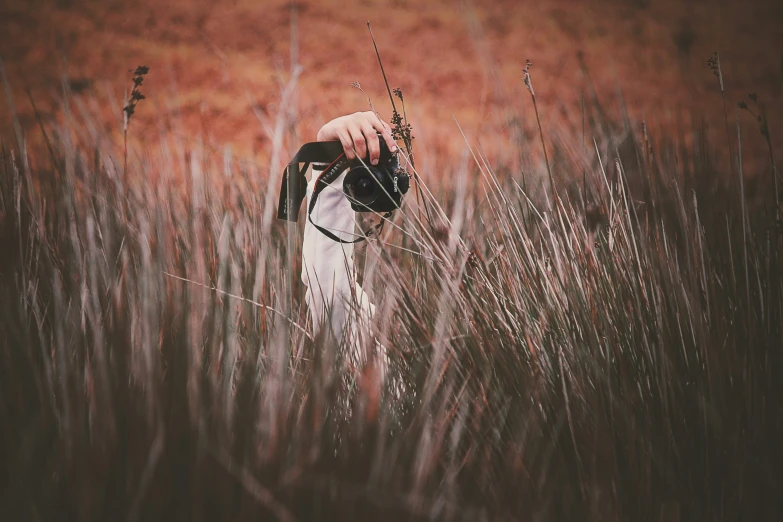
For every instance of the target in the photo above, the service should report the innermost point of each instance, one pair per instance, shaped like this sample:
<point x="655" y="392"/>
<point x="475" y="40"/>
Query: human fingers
<point x="373" y="147"/>
<point x="386" y="126"/>
<point x="359" y="141"/>
<point x="382" y="127"/>
<point x="347" y="143"/>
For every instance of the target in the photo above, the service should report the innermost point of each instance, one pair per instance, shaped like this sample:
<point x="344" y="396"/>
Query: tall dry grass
<point x="609" y="352"/>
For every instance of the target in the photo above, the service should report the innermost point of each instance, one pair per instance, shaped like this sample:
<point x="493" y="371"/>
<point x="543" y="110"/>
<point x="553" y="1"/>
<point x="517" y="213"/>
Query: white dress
<point x="333" y="296"/>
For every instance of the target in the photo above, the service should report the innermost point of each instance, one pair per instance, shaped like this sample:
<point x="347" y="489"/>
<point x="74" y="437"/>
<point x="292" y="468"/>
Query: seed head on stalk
<point x="401" y="129"/>
<point x="714" y="65"/>
<point x="130" y="106"/>
<point x="529" y="84"/>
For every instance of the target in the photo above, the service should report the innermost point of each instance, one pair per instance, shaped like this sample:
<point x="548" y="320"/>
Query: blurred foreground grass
<point x="611" y="352"/>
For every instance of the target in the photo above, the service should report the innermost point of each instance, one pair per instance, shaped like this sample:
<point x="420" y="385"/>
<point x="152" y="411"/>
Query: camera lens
<point x="364" y="189"/>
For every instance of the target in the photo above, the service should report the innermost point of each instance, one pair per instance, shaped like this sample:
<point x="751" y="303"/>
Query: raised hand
<point x="358" y="133"/>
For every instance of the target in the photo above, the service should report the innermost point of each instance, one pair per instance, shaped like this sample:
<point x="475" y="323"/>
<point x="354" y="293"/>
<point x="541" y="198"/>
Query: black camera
<point x="376" y="188"/>
<point x="369" y="188"/>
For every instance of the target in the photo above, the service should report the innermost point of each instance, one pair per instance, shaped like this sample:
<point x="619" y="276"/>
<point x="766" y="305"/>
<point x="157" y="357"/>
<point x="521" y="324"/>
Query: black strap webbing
<point x="294" y="186"/>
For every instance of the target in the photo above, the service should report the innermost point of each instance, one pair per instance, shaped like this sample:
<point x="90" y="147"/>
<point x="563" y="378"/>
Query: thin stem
<point x="386" y="81"/>
<point x="543" y="145"/>
<point x="125" y="154"/>
<point x="245" y="300"/>
<point x="584" y="156"/>
<point x="744" y="213"/>
<point x="725" y="110"/>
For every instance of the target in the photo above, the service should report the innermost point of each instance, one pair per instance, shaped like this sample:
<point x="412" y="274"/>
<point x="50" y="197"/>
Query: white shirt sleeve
<point x="333" y="295"/>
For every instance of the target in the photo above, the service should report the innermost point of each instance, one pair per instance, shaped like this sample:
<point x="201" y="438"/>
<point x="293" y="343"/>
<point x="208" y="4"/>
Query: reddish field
<point x="213" y="61"/>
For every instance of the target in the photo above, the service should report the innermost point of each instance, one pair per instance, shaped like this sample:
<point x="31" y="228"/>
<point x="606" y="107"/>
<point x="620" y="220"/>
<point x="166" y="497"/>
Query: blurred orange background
<point x="218" y="68"/>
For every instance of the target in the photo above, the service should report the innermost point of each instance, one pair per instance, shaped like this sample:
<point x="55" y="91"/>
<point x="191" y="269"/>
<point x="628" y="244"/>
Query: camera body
<point x="369" y="188"/>
<point x="376" y="188"/>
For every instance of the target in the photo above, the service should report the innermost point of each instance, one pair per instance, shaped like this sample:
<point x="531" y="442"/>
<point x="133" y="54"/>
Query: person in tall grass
<point x="333" y="294"/>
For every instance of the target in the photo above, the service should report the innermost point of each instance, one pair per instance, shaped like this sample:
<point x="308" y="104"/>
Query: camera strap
<point x="294" y="186"/>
